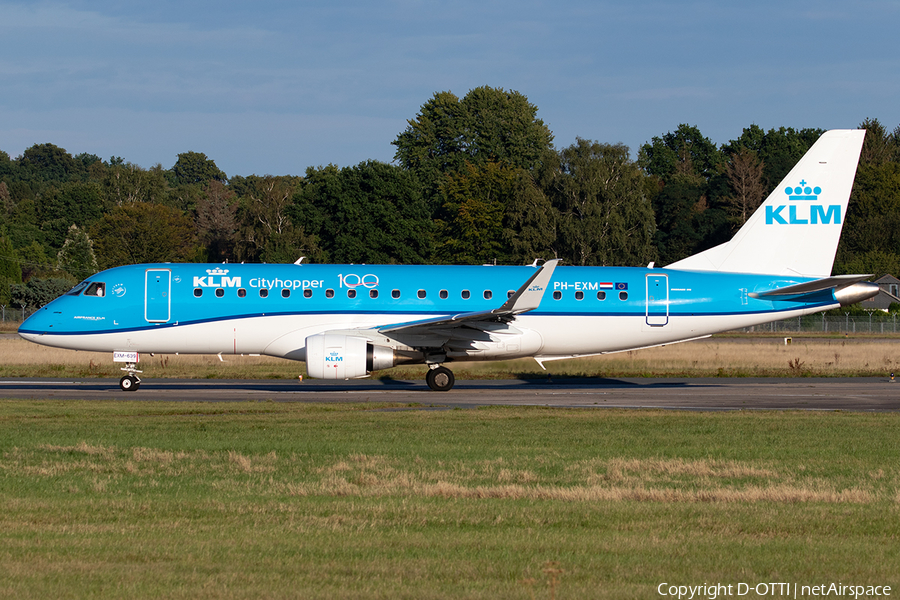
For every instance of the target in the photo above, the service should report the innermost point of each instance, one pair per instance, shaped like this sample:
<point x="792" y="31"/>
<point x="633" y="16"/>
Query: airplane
<point x="347" y="321"/>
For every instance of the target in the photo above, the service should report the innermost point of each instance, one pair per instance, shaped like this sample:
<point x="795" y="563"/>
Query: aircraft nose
<point x="39" y="323"/>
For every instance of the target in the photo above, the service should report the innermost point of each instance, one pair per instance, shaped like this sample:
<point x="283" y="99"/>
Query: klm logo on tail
<point x="801" y="213"/>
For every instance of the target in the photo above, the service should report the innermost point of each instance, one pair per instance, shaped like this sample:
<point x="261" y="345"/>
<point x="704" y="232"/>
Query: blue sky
<point x="273" y="87"/>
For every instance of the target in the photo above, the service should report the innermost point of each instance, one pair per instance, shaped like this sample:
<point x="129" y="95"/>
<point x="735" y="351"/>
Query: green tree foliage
<point x="370" y="213"/>
<point x="46" y="162"/>
<point x="76" y="257"/>
<point x="870" y="242"/>
<point x="10" y="270"/>
<point x="605" y="217"/>
<point x="267" y="231"/>
<point x="217" y="222"/>
<point x="37" y="292"/>
<point x="195" y="167"/>
<point x="127" y="183"/>
<point x="778" y="149"/>
<point x="142" y="233"/>
<point x="487" y="125"/>
<point x="471" y="223"/>
<point x="690" y="199"/>
<point x="72" y="203"/>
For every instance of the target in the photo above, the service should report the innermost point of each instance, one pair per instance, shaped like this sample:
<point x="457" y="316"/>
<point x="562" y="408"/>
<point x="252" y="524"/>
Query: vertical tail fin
<point x="797" y="229"/>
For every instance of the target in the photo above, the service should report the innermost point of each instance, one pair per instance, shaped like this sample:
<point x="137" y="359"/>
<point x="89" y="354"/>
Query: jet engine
<point x="338" y="356"/>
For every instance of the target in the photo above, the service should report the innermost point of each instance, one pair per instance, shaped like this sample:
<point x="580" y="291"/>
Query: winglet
<point x="529" y="296"/>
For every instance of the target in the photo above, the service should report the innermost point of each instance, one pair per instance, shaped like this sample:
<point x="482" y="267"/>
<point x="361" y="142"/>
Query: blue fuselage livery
<point x="347" y="321"/>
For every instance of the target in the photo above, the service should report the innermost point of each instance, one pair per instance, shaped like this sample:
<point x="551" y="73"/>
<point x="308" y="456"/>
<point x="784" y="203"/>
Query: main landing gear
<point x="440" y="379"/>
<point x="130" y="382"/>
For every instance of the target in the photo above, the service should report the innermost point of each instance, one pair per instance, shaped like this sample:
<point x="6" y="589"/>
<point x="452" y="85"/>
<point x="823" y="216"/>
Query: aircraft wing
<point x="527" y="297"/>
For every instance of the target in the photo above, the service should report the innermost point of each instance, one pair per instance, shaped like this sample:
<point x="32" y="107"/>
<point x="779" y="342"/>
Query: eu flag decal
<point x="621" y="286"/>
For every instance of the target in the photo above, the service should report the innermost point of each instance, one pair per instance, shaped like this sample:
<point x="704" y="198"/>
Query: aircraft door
<point x="157" y="295"/>
<point x="657" y="300"/>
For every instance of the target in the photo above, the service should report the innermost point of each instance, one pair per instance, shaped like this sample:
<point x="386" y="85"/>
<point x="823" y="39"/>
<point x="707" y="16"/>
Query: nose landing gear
<point x="130" y="382"/>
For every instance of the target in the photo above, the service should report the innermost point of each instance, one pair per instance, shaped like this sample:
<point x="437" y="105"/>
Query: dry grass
<point x="368" y="476"/>
<point x="718" y="356"/>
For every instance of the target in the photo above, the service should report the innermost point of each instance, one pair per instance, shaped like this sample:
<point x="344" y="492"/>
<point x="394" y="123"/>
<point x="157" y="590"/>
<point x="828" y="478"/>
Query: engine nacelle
<point x="337" y="356"/>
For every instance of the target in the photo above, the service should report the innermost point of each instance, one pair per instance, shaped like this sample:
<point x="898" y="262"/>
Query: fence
<point x="13" y="315"/>
<point x="876" y="322"/>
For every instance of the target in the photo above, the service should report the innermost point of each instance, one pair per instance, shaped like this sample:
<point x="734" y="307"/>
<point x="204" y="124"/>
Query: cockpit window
<point x="77" y="289"/>
<point x="96" y="288"/>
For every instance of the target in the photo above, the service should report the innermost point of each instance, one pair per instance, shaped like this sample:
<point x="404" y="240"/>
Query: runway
<point x="845" y="394"/>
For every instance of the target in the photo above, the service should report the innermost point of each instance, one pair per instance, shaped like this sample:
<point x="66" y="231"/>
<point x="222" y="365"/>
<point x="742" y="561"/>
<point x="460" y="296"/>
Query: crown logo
<point x="217" y="271"/>
<point x="802" y="192"/>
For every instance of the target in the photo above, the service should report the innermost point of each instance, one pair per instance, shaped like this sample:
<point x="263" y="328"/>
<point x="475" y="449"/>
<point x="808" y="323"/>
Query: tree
<point x="487" y="125"/>
<point x="216" y="221"/>
<point x="778" y="149"/>
<point x="267" y="232"/>
<point x="370" y="213"/>
<point x="142" y="233"/>
<point x="128" y="183"/>
<point x="745" y="175"/>
<point x="470" y="227"/>
<point x="605" y="218"/>
<point x="195" y="167"/>
<point x="47" y="162"/>
<point x="10" y="270"/>
<point x="77" y="254"/>
<point x="37" y="292"/>
<point x="684" y="151"/>
<point x="71" y="203"/>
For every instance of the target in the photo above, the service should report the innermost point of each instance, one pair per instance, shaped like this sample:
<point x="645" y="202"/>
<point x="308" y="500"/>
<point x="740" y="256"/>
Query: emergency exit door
<point x="157" y="295"/>
<point x="657" y="300"/>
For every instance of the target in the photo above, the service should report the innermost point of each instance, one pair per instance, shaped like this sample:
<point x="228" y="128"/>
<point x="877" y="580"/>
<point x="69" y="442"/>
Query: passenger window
<point x="373" y="294"/>
<point x="421" y="293"/>
<point x="443" y="294"/>
<point x="263" y="293"/>
<point x="623" y="295"/>
<point x="307" y="293"/>
<point x="96" y="289"/>
<point x="351" y="293"/>
<point x="465" y="294"/>
<point x="329" y="293"/>
<point x="220" y="292"/>
<point x="198" y="292"/>
<point x="557" y="295"/>
<point x="601" y="295"/>
<point x="242" y="293"/>
<point x="488" y="294"/>
<point x="285" y="292"/>
<point x="395" y="294"/>
<point x="579" y="295"/>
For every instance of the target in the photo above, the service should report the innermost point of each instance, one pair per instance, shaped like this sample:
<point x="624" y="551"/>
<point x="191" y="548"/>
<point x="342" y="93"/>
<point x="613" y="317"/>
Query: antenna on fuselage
<point x="299" y="260"/>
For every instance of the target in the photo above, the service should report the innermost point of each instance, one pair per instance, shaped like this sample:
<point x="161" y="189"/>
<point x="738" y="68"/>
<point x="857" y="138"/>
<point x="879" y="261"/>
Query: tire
<point x="129" y="384"/>
<point x="440" y="379"/>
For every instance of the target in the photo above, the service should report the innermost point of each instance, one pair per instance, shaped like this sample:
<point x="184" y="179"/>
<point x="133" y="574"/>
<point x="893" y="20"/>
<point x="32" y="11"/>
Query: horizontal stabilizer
<point x="836" y="283"/>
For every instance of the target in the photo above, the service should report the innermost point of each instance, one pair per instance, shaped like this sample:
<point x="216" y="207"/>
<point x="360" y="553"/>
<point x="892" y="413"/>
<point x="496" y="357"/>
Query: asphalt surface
<point x="848" y="394"/>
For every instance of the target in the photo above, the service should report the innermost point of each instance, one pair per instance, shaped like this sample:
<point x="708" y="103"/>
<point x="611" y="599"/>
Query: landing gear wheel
<point x="440" y="379"/>
<point x="129" y="383"/>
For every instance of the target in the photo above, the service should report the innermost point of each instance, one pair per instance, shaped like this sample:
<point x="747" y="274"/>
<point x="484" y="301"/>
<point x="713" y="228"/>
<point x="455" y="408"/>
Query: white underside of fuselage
<point x="544" y="336"/>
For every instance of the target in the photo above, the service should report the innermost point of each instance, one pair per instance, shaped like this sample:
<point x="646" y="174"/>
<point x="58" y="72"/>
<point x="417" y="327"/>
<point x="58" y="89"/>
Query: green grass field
<point x="281" y="500"/>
